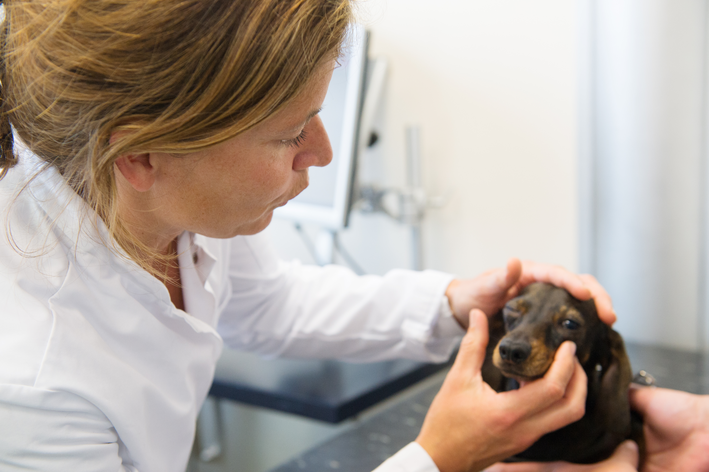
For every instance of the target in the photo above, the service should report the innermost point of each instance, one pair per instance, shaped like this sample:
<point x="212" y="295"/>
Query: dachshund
<point x="524" y="337"/>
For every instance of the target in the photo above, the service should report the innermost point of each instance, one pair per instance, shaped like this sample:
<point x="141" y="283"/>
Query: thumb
<point x="626" y="453"/>
<point x="641" y="398"/>
<point x="472" y="349"/>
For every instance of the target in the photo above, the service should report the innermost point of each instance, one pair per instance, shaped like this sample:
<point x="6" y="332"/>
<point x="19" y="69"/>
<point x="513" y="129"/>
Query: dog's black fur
<point x="524" y="337"/>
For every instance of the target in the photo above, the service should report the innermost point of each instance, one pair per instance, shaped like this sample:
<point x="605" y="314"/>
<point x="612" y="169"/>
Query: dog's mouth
<point x="521" y="377"/>
<point x="532" y="368"/>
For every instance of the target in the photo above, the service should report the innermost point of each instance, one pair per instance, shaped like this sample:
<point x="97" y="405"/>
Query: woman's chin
<point x="244" y="229"/>
<point x="256" y="226"/>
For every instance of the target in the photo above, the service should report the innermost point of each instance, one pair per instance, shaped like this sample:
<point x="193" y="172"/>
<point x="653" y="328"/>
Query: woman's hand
<point x="470" y="426"/>
<point x="676" y="426"/>
<point x="491" y="290"/>
<point x="624" y="459"/>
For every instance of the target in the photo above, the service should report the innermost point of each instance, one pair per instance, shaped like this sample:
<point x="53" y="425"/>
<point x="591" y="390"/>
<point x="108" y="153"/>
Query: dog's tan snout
<point x="515" y="351"/>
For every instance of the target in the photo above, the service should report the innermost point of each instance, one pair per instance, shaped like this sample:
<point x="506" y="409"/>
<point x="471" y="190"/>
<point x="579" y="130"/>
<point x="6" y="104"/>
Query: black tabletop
<point x="325" y="390"/>
<point x="371" y="442"/>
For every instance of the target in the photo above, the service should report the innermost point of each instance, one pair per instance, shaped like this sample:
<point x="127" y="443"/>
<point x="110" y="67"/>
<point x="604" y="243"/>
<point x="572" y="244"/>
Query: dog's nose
<point x="514" y="351"/>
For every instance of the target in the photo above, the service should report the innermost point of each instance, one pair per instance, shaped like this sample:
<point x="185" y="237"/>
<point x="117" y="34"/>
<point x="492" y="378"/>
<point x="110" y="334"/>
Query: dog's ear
<point x="613" y="405"/>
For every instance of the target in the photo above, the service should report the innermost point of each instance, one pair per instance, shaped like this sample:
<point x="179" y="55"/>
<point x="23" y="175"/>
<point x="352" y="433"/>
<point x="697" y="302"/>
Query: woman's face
<point x="233" y="188"/>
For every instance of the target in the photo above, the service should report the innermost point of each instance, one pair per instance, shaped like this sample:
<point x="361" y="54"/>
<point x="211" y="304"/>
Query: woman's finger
<point x="569" y="409"/>
<point x="555" y="275"/>
<point x="582" y="286"/>
<point x="541" y="394"/>
<point x="471" y="354"/>
<point x="604" y="305"/>
<point x="513" y="272"/>
<point x="501" y="281"/>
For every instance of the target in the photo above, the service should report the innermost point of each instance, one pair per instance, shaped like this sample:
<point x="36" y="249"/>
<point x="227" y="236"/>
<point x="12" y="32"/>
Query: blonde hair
<point x="179" y="75"/>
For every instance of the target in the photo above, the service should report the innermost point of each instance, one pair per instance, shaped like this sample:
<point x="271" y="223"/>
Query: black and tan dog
<point x="524" y="337"/>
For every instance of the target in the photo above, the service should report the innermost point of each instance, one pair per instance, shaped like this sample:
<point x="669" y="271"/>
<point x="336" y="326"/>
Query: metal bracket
<point x="410" y="203"/>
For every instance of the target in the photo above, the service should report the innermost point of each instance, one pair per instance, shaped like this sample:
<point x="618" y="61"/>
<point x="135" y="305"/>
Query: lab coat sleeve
<point x="55" y="431"/>
<point x="290" y="309"/>
<point x="412" y="458"/>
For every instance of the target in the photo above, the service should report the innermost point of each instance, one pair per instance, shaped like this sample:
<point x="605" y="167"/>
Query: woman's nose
<point x="316" y="150"/>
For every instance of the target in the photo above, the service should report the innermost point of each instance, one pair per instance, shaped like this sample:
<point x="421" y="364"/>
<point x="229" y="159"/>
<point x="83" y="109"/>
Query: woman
<point x="144" y="145"/>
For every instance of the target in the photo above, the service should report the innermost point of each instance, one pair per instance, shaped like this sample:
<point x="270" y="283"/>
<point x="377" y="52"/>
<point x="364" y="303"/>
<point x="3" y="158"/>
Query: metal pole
<point x="586" y="157"/>
<point x="703" y="302"/>
<point x="413" y="181"/>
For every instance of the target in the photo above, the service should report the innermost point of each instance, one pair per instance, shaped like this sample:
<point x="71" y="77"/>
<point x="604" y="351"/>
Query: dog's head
<point x="537" y="322"/>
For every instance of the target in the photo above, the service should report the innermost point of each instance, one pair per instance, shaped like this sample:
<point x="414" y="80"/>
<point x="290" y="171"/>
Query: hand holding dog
<point x="491" y="290"/>
<point x="624" y="459"/>
<point x="676" y="437"/>
<point x="470" y="426"/>
<point x="676" y="429"/>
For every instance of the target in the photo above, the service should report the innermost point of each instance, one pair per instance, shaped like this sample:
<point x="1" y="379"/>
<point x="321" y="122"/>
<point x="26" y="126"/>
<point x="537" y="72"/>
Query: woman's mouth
<point x="292" y="197"/>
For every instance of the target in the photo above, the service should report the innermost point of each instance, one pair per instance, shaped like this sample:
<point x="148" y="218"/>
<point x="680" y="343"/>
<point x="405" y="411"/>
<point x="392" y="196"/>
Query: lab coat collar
<point x="196" y="263"/>
<point x="67" y="213"/>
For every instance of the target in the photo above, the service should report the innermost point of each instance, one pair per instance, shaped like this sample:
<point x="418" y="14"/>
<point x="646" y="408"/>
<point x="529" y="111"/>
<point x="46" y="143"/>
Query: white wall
<point x="648" y="129"/>
<point x="492" y="83"/>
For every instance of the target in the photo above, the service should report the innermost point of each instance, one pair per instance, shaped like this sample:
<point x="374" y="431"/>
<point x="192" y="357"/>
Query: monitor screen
<point x="327" y="199"/>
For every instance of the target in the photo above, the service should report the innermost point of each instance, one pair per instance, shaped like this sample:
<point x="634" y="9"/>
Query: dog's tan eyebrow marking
<point x="516" y="306"/>
<point x="571" y="313"/>
<point x="558" y="313"/>
<point x="522" y="306"/>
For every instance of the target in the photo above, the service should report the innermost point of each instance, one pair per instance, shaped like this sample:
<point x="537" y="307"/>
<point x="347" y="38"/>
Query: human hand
<point x="470" y="426"/>
<point x="491" y="290"/>
<point x="676" y="427"/>
<point x="624" y="459"/>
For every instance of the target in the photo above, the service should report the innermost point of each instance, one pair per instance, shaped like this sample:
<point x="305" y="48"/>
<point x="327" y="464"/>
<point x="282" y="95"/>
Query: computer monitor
<point x="327" y="200"/>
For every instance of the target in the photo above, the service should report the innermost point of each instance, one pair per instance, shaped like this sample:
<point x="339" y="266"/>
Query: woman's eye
<point x="570" y="324"/>
<point x="295" y="142"/>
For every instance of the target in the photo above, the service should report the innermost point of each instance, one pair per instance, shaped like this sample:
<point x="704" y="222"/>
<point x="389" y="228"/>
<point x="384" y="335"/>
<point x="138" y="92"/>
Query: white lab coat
<point x="100" y="372"/>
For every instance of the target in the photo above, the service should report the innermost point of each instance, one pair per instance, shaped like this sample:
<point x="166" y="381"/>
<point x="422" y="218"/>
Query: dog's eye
<point x="510" y="323"/>
<point x="570" y="324"/>
<point x="511" y="317"/>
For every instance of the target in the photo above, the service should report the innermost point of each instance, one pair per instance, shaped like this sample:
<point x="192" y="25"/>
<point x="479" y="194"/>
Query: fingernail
<point x="630" y="445"/>
<point x="572" y="347"/>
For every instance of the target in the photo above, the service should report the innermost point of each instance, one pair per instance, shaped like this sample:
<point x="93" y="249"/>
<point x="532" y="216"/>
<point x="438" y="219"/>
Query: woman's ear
<point x="137" y="171"/>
